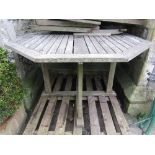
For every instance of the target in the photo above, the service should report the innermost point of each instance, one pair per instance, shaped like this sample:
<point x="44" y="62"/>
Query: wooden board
<point x="94" y="122"/>
<point x="60" y="29"/>
<point x="85" y="21"/>
<point x="62" y="23"/>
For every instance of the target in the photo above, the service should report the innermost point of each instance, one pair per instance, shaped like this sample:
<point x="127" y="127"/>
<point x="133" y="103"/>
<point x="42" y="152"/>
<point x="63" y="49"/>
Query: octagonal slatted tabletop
<point x="44" y="47"/>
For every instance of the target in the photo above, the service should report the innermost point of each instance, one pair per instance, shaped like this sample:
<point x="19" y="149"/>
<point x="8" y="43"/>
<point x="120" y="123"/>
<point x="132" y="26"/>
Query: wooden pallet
<point x="55" y="114"/>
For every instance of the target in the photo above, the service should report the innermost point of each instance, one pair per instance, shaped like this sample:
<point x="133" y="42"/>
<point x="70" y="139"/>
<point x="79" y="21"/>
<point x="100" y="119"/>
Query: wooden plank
<point x="90" y="45"/>
<point x="109" y="125"/>
<point x="111" y="45"/>
<point x="79" y="105"/>
<point x="42" y="45"/>
<point x="47" y="83"/>
<point x="50" y="44"/>
<point x="111" y="76"/>
<point x="123" y="40"/>
<point x="60" y="29"/>
<point x="69" y="47"/>
<point x="126" y="21"/>
<point x="62" y="23"/>
<point x="104" y="45"/>
<point x="119" y="115"/>
<point x="116" y="44"/>
<point x="61" y="122"/>
<point x="33" y="41"/>
<point x="85" y="93"/>
<point x="97" y="45"/>
<point x="40" y="41"/>
<point x="85" y="21"/>
<point x="56" y="44"/>
<point x="120" y="42"/>
<point x="94" y="122"/>
<point x="62" y="47"/>
<point x="105" y="32"/>
<point x="78" y="58"/>
<point x="80" y="45"/>
<point x="46" y="120"/>
<point x="32" y="124"/>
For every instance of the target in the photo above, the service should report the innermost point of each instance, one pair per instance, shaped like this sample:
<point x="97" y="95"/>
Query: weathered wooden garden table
<point x="50" y="48"/>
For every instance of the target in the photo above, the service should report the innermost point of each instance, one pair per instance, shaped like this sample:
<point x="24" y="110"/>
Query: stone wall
<point x="133" y="77"/>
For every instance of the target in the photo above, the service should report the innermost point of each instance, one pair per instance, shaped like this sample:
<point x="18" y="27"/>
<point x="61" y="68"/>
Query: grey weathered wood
<point x="80" y="46"/>
<point x="59" y="28"/>
<point x="85" y="21"/>
<point x="61" y="122"/>
<point x="120" y="42"/>
<point x="62" y="23"/>
<point x="46" y="77"/>
<point x="109" y="125"/>
<point x="91" y="47"/>
<point x="126" y="21"/>
<point x="46" y="120"/>
<point x="62" y="47"/>
<point x="111" y="77"/>
<point x="94" y="122"/>
<point x="79" y="49"/>
<point x="50" y="44"/>
<point x="119" y="115"/>
<point x="104" y="46"/>
<point x="79" y="109"/>
<point x="44" y="43"/>
<point x="123" y="40"/>
<point x="56" y="44"/>
<point x="85" y="93"/>
<point x="69" y="46"/>
<point x="97" y="45"/>
<point x="32" y="124"/>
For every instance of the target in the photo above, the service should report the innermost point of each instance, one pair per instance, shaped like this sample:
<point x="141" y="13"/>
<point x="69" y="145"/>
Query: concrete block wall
<point x="133" y="77"/>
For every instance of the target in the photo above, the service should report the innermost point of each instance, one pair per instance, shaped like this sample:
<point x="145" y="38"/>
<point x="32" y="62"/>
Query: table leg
<point x="47" y="83"/>
<point x="79" y="109"/>
<point x="111" y="77"/>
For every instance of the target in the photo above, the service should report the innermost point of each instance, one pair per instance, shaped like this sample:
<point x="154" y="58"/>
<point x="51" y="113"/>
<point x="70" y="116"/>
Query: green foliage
<point x="11" y="91"/>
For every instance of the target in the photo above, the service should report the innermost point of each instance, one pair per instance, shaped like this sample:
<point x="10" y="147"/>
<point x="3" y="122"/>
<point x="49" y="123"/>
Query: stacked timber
<point x="68" y="25"/>
<point x="76" y="26"/>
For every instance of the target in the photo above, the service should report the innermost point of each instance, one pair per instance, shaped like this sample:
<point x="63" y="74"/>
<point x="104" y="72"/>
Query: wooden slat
<point x="94" y="122"/>
<point x="61" y="122"/>
<point x="99" y="48"/>
<point x="111" y="77"/>
<point x="42" y="45"/>
<point x="104" y="45"/>
<point x="46" y="120"/>
<point x="56" y="44"/>
<point x="90" y="45"/>
<point x="85" y="93"/>
<point x="111" y="45"/>
<point x="32" y="124"/>
<point x="60" y="29"/>
<point x="62" y="47"/>
<point x="119" y="115"/>
<point x="108" y="122"/>
<point x="98" y="83"/>
<point x="80" y="45"/>
<point x="85" y="21"/>
<point x="69" y="47"/>
<point x="33" y="41"/>
<point x="34" y="45"/>
<point x="116" y="44"/>
<point x="50" y="44"/>
<point x="62" y="23"/>
<point x="122" y="40"/>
